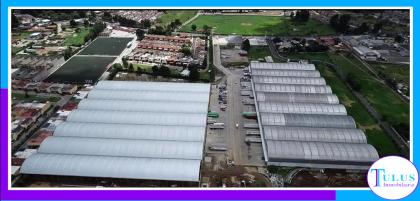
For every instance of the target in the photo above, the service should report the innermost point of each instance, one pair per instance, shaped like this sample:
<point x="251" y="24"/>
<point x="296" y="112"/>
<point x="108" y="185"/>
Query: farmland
<point x="258" y="25"/>
<point x="106" y="46"/>
<point x="81" y="70"/>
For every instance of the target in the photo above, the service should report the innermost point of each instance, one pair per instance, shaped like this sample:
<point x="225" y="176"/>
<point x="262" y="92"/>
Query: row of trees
<point x="205" y="29"/>
<point x="300" y="16"/>
<point x="341" y="24"/>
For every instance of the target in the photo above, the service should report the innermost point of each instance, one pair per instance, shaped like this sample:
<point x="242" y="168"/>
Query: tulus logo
<point x="393" y="177"/>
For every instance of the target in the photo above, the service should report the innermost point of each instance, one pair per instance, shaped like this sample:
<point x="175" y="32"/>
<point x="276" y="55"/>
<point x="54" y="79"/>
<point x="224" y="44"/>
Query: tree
<point x="86" y="23"/>
<point x="193" y="27"/>
<point x="140" y="34"/>
<point x="377" y="27"/>
<point x="340" y="23"/>
<point x="155" y="70"/>
<point x="107" y="16"/>
<point x="73" y="23"/>
<point x="194" y="74"/>
<point x="363" y="28"/>
<point x="246" y="45"/>
<point x="125" y="62"/>
<point x="186" y="50"/>
<point x="164" y="71"/>
<point x="130" y="68"/>
<point x="145" y="24"/>
<point x="67" y="53"/>
<point x="301" y="16"/>
<point x="206" y="29"/>
<point x="15" y="21"/>
<point x="399" y="39"/>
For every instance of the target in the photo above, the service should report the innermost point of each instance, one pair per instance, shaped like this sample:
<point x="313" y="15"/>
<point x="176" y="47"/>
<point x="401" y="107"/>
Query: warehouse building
<point x="132" y="136"/>
<point x="302" y="123"/>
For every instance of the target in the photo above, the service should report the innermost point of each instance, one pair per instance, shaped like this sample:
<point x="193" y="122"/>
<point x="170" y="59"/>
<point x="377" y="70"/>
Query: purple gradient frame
<point x="139" y="194"/>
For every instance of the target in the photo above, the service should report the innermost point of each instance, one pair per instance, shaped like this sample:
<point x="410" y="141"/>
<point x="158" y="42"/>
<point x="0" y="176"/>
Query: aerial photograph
<point x="134" y="98"/>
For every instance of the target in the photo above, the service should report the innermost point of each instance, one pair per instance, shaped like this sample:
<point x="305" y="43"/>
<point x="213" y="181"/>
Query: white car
<point x="237" y="125"/>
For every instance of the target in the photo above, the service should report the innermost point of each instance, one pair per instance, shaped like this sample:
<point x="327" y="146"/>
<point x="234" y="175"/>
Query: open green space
<point x="15" y="50"/>
<point x="375" y="135"/>
<point x="77" y="39"/>
<point x="399" y="72"/>
<point x="259" y="25"/>
<point x="172" y="15"/>
<point x="81" y="70"/>
<point x="106" y="46"/>
<point x="32" y="98"/>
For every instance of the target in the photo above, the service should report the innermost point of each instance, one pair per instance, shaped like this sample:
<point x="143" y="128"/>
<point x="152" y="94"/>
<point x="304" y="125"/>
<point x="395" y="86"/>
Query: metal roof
<point x="296" y="97"/>
<point x="285" y="73"/>
<point x="153" y="86"/>
<point x="122" y="147"/>
<point x="321" y="151"/>
<point x="289" y="80"/>
<point x="143" y="106"/>
<point x="134" y="130"/>
<point x="149" y="95"/>
<point x="302" y="123"/>
<point x="282" y="66"/>
<point x="343" y="135"/>
<point x="307" y="120"/>
<point x="303" y="108"/>
<point x="130" y="131"/>
<point x="112" y="167"/>
<point x="292" y="88"/>
<point x="145" y="118"/>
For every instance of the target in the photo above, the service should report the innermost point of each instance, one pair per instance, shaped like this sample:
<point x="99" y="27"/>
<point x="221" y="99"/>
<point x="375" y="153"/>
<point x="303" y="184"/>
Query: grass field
<point x="77" y="39"/>
<point x="380" y="96"/>
<point x="31" y="98"/>
<point x="106" y="46"/>
<point x="172" y="15"/>
<point x="399" y="72"/>
<point x="375" y="135"/>
<point x="258" y="25"/>
<point x="260" y="53"/>
<point x="81" y="70"/>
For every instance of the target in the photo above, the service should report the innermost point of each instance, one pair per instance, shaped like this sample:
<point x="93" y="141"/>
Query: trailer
<point x="252" y="133"/>
<point x="250" y="125"/>
<point x="213" y="114"/>
<point x="253" y="140"/>
<point x="218" y="148"/>
<point x="249" y="115"/>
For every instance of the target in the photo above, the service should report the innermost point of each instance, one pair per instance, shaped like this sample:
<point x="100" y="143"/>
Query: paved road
<point x="233" y="110"/>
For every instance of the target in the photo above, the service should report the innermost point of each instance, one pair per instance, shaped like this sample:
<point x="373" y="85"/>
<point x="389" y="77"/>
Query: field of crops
<point x="81" y="70"/>
<point x="106" y="46"/>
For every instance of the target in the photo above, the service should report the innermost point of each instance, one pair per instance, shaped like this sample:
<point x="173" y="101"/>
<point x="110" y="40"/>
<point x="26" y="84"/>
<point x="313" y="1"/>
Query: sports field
<point x="81" y="70"/>
<point x="258" y="25"/>
<point x="106" y="46"/>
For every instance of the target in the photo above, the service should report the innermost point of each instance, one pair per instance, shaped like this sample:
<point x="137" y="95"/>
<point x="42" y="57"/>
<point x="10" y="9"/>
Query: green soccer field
<point x="258" y="25"/>
<point x="106" y="46"/>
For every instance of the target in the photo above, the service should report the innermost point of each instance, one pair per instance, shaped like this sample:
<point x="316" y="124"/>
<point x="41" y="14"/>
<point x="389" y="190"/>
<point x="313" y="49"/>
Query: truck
<point x="213" y="114"/>
<point x="250" y="115"/>
<point x="211" y="121"/>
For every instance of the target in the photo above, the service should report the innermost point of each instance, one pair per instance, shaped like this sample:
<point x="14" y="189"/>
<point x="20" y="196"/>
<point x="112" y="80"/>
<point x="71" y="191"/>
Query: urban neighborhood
<point x="206" y="98"/>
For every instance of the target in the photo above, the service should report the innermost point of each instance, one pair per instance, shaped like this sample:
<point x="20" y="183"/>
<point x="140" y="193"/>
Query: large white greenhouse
<point x="130" y="130"/>
<point x="301" y="121"/>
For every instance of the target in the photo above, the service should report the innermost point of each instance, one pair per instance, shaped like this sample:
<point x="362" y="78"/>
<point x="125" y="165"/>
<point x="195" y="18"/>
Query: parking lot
<point x="232" y="136"/>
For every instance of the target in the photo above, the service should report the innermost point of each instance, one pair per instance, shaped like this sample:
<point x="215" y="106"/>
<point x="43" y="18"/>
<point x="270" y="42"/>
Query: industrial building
<point x="302" y="123"/>
<point x="132" y="136"/>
